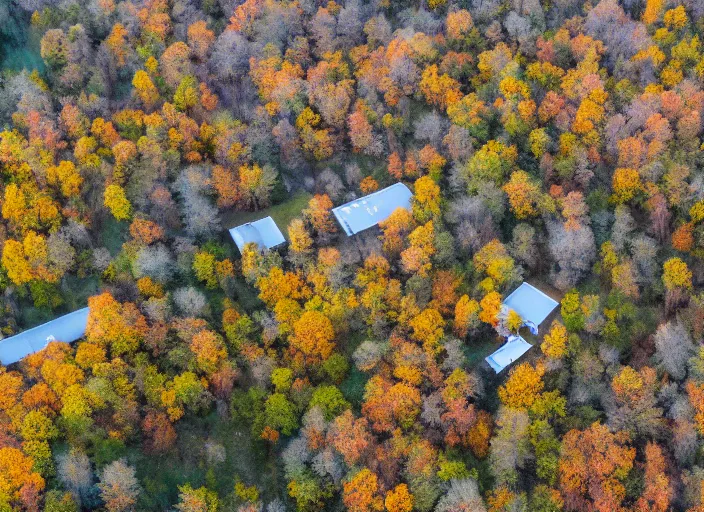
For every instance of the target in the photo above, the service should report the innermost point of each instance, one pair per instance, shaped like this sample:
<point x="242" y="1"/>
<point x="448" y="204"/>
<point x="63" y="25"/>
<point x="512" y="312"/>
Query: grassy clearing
<point x="475" y="352"/>
<point x="246" y="459"/>
<point x="282" y="213"/>
<point x="114" y="234"/>
<point x="17" y="59"/>
<point x="80" y="290"/>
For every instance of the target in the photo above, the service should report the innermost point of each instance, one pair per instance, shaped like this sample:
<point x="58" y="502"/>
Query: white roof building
<point x="263" y="232"/>
<point x="511" y="351"/>
<point x="368" y="211"/>
<point x="534" y="307"/>
<point x="530" y="303"/>
<point x="67" y="329"/>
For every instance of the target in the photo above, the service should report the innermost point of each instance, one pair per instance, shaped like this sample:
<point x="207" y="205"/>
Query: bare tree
<point x="573" y="252"/>
<point x="673" y="348"/>
<point x="510" y="447"/>
<point x="75" y="473"/>
<point x="463" y="494"/>
<point x="119" y="487"/>
<point x="190" y="302"/>
<point x="429" y="127"/>
<point x="156" y="262"/>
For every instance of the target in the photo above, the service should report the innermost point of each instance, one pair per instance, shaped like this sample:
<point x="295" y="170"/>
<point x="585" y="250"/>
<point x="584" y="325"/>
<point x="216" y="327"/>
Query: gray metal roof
<point x="67" y="329"/>
<point x="530" y="303"/>
<point x="369" y="210"/>
<point x="511" y="351"/>
<point x="263" y="232"/>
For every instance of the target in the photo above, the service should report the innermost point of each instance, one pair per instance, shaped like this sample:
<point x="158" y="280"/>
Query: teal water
<point x="17" y="59"/>
<point x="19" y="44"/>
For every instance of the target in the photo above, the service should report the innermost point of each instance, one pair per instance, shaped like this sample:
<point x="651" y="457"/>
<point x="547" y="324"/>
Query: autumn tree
<point x="416" y="259"/>
<point x="466" y="315"/>
<point x="116" y="200"/>
<point x="313" y="337"/>
<point x="426" y="200"/>
<point x="361" y="492"/>
<point x="111" y="324"/>
<point x="657" y="495"/>
<point x="319" y="214"/>
<point x="677" y="279"/>
<point x="594" y="464"/>
<point x="399" y="499"/>
<point x="523" y="386"/>
<point x="523" y="195"/>
<point x="145" y="89"/>
<point x="555" y="342"/>
<point x="119" y="487"/>
<point x="17" y="475"/>
<point x="200" y="39"/>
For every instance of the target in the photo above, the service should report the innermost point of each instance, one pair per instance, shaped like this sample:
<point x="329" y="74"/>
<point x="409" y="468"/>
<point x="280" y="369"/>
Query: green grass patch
<point x="247" y="296"/>
<point x="76" y="291"/>
<point x="353" y="387"/>
<point x="113" y="234"/>
<point x="246" y="459"/>
<point x="475" y="352"/>
<point x="17" y="59"/>
<point x="282" y="213"/>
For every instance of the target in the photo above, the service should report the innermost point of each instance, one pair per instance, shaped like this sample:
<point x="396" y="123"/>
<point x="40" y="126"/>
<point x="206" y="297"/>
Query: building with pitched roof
<point x="533" y="306"/>
<point x="67" y="329"/>
<point x="368" y="211"/>
<point x="263" y="232"/>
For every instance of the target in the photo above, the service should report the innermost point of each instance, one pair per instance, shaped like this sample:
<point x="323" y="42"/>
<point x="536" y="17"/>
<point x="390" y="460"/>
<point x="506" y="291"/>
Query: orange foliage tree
<point x="594" y="464"/>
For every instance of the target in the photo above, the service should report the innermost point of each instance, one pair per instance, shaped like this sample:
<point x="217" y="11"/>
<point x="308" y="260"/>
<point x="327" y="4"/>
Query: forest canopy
<point x="556" y="142"/>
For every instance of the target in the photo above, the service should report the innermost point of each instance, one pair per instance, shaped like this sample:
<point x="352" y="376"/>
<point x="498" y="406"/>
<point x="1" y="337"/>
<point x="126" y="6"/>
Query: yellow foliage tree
<point x="399" y="499"/>
<point x="522" y="387"/>
<point x="417" y="257"/>
<point x="300" y="240"/>
<point x="523" y="194"/>
<point x="626" y="184"/>
<point x="145" y="89"/>
<point x="313" y="336"/>
<point x="653" y="11"/>
<point x="116" y="200"/>
<point x="555" y="342"/>
<point x="676" y="274"/>
<point x="466" y="315"/>
<point x="428" y="328"/>
<point x="426" y="200"/>
<point x="66" y="177"/>
<point x="491" y="305"/>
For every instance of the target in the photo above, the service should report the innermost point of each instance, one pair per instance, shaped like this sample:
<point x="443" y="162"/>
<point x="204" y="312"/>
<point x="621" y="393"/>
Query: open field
<point x="282" y="213"/>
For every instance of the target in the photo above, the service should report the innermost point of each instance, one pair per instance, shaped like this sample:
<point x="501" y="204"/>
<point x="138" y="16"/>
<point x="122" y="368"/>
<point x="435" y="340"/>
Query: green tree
<point x="280" y="414"/>
<point x="330" y="401"/>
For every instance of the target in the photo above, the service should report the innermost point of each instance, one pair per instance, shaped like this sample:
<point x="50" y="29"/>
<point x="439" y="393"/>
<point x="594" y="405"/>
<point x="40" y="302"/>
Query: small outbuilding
<point x="531" y="304"/>
<point x="263" y="232"/>
<point x="368" y="211"/>
<point x="66" y="329"/>
<point x="511" y="351"/>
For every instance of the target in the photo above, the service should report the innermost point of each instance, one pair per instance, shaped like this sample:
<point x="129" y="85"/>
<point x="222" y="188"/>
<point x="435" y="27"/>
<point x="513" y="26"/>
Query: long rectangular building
<point x="368" y="211"/>
<point x="511" y="351"/>
<point x="67" y="329"/>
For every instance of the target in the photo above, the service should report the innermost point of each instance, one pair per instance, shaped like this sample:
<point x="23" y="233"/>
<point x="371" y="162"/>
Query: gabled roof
<point x="529" y="302"/>
<point x="369" y="210"/>
<point x="67" y="328"/>
<point x="263" y="232"/>
<point x="511" y="351"/>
